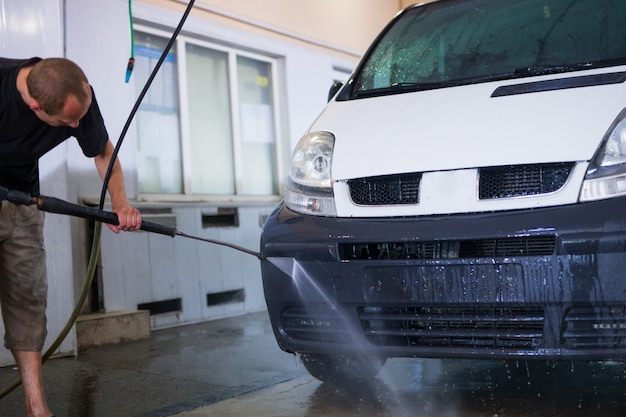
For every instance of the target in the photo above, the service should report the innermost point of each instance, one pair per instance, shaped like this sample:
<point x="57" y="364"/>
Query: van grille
<point x="450" y="249"/>
<point x="385" y="190"/>
<point x="450" y="326"/>
<point x="522" y="180"/>
<point x="494" y="182"/>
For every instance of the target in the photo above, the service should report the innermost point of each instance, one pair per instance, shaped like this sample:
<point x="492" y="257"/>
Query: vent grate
<point x="163" y="306"/>
<point x="595" y="327"/>
<point x="522" y="180"/>
<point x="385" y="190"/>
<point x="451" y="326"/>
<point x="452" y="249"/>
<point x="225" y="297"/>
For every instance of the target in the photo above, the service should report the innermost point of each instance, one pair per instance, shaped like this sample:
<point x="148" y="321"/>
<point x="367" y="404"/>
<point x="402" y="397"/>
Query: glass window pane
<point x="468" y="40"/>
<point x="158" y="132"/>
<point x="211" y="143"/>
<point x="258" y="144"/>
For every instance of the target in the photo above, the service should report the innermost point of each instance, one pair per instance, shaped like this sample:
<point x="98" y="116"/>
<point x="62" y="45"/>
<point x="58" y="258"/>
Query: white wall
<point x="35" y="28"/>
<point x="98" y="39"/>
<point x="140" y="268"/>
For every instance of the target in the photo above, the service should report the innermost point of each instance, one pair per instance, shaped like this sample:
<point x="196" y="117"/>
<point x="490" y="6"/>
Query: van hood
<point x="465" y="127"/>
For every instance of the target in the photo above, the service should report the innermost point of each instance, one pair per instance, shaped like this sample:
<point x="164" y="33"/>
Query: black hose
<point x="259" y="255"/>
<point x="56" y="205"/>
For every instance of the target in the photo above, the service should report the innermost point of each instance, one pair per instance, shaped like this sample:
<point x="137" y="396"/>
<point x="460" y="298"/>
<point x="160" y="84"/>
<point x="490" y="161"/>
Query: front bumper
<point x="543" y="283"/>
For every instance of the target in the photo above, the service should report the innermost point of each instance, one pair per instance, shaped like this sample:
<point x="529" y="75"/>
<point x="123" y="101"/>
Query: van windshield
<point x="456" y="42"/>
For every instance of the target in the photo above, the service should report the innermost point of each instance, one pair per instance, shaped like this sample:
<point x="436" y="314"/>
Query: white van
<point x="463" y="195"/>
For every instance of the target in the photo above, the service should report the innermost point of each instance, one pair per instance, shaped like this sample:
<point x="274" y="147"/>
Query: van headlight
<point x="308" y="188"/>
<point x="606" y="175"/>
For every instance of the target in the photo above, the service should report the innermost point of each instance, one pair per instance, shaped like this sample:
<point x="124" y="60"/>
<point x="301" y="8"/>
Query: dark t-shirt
<point x="24" y="138"/>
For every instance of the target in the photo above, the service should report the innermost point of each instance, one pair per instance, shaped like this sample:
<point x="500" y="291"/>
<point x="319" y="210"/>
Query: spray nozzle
<point x="129" y="68"/>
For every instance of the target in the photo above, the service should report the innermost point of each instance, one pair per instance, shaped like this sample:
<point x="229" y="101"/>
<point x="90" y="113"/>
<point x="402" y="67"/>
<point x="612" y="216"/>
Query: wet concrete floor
<point x="233" y="367"/>
<point x="175" y="370"/>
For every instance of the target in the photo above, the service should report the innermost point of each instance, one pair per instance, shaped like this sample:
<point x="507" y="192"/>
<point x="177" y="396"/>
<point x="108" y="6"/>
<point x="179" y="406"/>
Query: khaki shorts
<point x="23" y="282"/>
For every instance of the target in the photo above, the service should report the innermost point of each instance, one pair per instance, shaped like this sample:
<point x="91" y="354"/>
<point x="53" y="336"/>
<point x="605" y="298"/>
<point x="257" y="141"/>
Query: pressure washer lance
<point x="58" y="206"/>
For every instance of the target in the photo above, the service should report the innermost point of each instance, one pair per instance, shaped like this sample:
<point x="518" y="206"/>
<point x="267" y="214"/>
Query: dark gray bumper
<point x="544" y="283"/>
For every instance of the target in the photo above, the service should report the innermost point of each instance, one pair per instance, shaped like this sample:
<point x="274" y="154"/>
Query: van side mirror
<point x="333" y="89"/>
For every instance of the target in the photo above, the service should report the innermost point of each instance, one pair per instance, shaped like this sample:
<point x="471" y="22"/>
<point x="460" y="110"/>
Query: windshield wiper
<point x="397" y="88"/>
<point x="407" y="87"/>
<point x="534" y="70"/>
<point x="550" y="69"/>
<point x="417" y="85"/>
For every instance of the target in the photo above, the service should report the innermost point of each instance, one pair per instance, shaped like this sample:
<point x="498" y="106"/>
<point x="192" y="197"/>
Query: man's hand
<point x="129" y="219"/>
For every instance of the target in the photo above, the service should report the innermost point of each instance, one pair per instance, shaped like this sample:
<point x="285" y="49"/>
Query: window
<point x="478" y="40"/>
<point x="159" y="155"/>
<point x="208" y="123"/>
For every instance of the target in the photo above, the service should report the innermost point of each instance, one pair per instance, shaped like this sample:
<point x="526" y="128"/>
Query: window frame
<point x="232" y="53"/>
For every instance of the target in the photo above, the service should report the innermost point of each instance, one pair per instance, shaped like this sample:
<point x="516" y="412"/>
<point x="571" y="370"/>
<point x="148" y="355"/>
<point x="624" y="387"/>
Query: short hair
<point x="52" y="80"/>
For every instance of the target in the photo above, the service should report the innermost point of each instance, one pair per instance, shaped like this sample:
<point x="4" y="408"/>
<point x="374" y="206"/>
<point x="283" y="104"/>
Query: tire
<point x="333" y="368"/>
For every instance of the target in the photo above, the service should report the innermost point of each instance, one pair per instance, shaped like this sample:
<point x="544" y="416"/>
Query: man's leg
<point x="23" y="293"/>
<point x="29" y="365"/>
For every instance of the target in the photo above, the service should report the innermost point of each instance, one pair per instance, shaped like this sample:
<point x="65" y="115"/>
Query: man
<point x="42" y="104"/>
